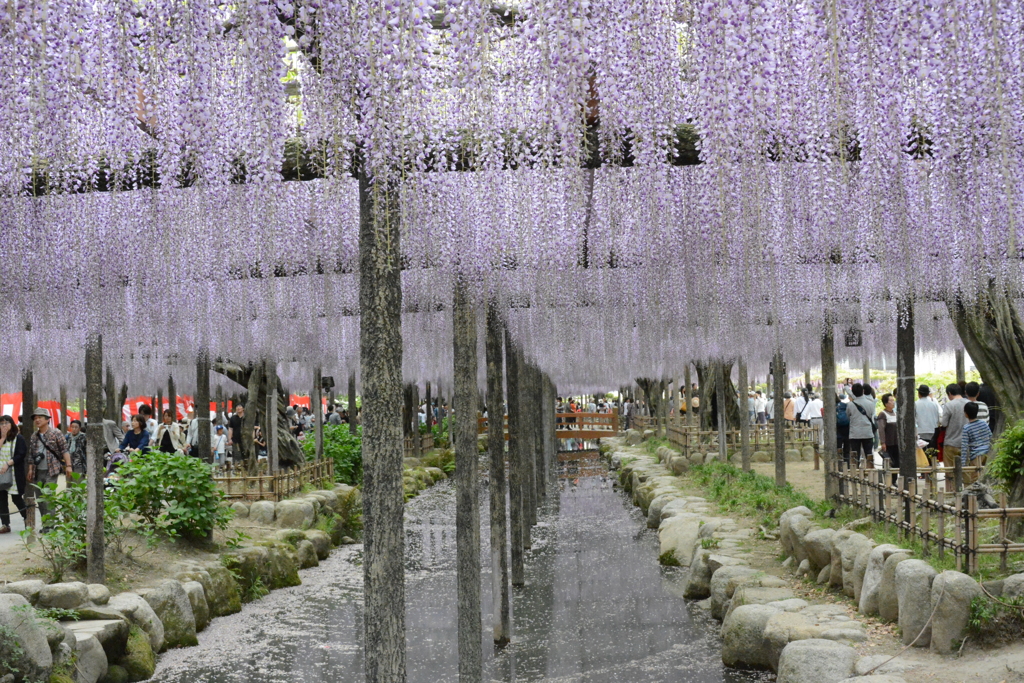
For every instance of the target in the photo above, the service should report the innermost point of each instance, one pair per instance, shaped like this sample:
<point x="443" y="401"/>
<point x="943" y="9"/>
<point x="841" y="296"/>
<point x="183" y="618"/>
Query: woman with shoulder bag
<point x="12" y="471"/>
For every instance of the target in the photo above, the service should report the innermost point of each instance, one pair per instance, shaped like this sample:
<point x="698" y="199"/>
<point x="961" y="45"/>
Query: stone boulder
<point x="262" y="512"/>
<point x="112" y="634"/>
<point x="321" y="542"/>
<point x="785" y="536"/>
<point x="648" y="434"/>
<point x="139" y="661"/>
<point x="743" y="637"/>
<point x="295" y="514"/>
<point x="331" y="498"/>
<point x="63" y="595"/>
<point x="138" y="612"/>
<point x="1013" y="587"/>
<point x="91" y="662"/>
<point x="26" y="589"/>
<point x="761" y="456"/>
<point x="679" y="536"/>
<point x="807" y="453"/>
<point x="98" y="594"/>
<point x="306" y="554"/>
<point x="871" y="586"/>
<point x="880" y="678"/>
<point x="223" y="596"/>
<point x="836" y="543"/>
<point x="914" y="595"/>
<point x="759" y="595"/>
<point x="25" y="647"/>
<point x="724" y="583"/>
<point x="856" y="546"/>
<point x="172" y="606"/>
<point x="817" y="547"/>
<point x="197" y="598"/>
<point x="952" y="593"/>
<point x="782" y="629"/>
<point x="656" y="507"/>
<point x="90" y="612"/>
<point x="816" y="661"/>
<point x="633" y="437"/>
<point x="793" y="455"/>
<point x="888" y="605"/>
<point x="240" y="509"/>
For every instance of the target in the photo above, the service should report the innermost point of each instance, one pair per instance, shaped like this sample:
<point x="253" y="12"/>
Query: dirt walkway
<point x="801" y="475"/>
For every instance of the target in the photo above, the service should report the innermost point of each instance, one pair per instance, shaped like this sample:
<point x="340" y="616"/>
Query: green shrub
<point x="63" y="545"/>
<point x="174" y="493"/>
<point x="443" y="459"/>
<point x="344" y="448"/>
<point x="1008" y="463"/>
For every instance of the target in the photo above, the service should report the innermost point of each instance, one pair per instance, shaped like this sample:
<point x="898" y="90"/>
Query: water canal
<point x="597" y="606"/>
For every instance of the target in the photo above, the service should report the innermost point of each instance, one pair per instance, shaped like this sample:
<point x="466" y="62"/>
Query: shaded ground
<point x="801" y="475"/>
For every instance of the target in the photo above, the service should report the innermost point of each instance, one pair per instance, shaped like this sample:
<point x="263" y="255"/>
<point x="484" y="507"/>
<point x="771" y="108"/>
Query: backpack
<point x="842" y="419"/>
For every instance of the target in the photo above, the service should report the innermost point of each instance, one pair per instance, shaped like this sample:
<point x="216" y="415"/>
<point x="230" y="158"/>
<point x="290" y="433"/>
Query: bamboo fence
<point x="277" y="486"/>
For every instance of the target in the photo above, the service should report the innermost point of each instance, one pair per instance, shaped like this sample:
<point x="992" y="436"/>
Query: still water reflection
<point x="597" y="606"/>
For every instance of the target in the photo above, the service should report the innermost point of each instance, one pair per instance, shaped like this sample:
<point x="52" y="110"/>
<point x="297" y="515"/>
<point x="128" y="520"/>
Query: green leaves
<point x="344" y="448"/>
<point x="1008" y="463"/>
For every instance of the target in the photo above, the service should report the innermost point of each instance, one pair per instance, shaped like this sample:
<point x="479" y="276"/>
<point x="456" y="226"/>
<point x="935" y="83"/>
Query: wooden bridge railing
<point x="585" y="426"/>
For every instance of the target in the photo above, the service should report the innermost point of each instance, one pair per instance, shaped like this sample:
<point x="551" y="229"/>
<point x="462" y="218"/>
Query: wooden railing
<point x="426" y="443"/>
<point x="945" y="521"/>
<point x="279" y="486"/>
<point x="585" y="426"/>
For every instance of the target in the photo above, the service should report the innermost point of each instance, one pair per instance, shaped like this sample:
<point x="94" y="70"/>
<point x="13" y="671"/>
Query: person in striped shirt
<point x="971" y="391"/>
<point x="976" y="442"/>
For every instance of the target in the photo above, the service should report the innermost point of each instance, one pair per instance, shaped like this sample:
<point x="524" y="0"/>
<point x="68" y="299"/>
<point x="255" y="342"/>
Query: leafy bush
<point x="63" y="544"/>
<point x="1008" y="463"/>
<point x="443" y="459"/>
<point x="173" y="492"/>
<point x="442" y="432"/>
<point x="344" y="448"/>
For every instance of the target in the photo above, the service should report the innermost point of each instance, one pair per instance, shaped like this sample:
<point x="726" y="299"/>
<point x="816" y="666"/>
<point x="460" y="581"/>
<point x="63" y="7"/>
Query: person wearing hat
<point x="219" y="445"/>
<point x="926" y="413"/>
<point x="47" y="456"/>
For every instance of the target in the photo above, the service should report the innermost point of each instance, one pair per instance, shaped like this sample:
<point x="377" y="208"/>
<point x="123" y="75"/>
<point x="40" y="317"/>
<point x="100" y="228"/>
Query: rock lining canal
<point x="597" y="606"/>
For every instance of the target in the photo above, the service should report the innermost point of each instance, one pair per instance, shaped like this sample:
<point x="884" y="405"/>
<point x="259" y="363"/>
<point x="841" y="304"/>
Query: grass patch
<point x="668" y="559"/>
<point x="652" y="445"/>
<point x="751" y="494"/>
<point x="995" y="623"/>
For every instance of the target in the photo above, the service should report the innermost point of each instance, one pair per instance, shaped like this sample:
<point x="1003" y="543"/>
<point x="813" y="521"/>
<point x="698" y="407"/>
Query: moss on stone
<point x="668" y="559"/>
<point x="139" y="662"/>
<point x="115" y="674"/>
<point x="61" y="678"/>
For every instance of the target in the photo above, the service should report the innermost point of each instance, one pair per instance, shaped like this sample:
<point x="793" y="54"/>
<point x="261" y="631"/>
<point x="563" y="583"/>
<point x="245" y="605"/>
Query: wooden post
<point x="961" y="368"/>
<point x="203" y="406"/>
<point x="467" y="510"/>
<point x="380" y="355"/>
<point x="906" y="422"/>
<point x="318" y="411"/>
<point x="94" y="445"/>
<point x="828" y="399"/>
<point x="720" y="404"/>
<point x="64" y="409"/>
<point x="940" y="497"/>
<point x="779" y="387"/>
<point x="502" y="625"/>
<point x="744" y="416"/>
<point x="516" y="482"/>
<point x="172" y="399"/>
<point x="972" y="534"/>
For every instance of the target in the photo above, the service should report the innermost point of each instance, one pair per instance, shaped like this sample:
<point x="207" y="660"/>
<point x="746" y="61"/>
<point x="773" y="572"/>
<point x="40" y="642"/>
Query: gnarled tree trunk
<point x="707" y="378"/>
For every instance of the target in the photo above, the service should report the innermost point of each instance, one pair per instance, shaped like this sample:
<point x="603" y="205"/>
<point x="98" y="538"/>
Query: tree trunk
<point x="417" y="439"/>
<point x="828" y="399"/>
<point x="516" y="481"/>
<point x="94" y="445"/>
<point x="906" y="424"/>
<point x="498" y="486"/>
<point x="254" y="407"/>
<point x="172" y="398"/>
<point x="380" y="356"/>
<point x="110" y="410"/>
<point x="64" y="408"/>
<point x="28" y="402"/>
<point x="122" y="398"/>
<point x="722" y="410"/>
<point x="203" y="406"/>
<point x="744" y="419"/>
<point x="318" y="412"/>
<point x="688" y="394"/>
<point x="528" y="448"/>
<point x="961" y="367"/>
<point x="267" y="420"/>
<point x="779" y="382"/>
<point x="467" y="510"/>
<point x="708" y="379"/>
<point x="353" y="425"/>
<point x="866" y="379"/>
<point x="430" y="410"/>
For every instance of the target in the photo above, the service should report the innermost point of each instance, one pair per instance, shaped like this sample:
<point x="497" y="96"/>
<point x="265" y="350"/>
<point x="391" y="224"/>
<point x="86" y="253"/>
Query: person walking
<point x="976" y="442"/>
<point x="235" y="435"/>
<point x="12" y="460"/>
<point x="788" y="409"/>
<point x="953" y="419"/>
<point x="76" y="447"/>
<point x="889" y="444"/>
<point x="813" y="415"/>
<point x="48" y="456"/>
<point x="861" y="412"/>
<point x="168" y="437"/>
<point x="760" y="409"/>
<point x="926" y="414"/>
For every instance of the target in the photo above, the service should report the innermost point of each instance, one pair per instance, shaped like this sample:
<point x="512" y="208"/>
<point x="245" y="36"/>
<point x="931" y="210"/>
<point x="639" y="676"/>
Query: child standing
<point x="975" y="443"/>
<point x="220" y="444"/>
